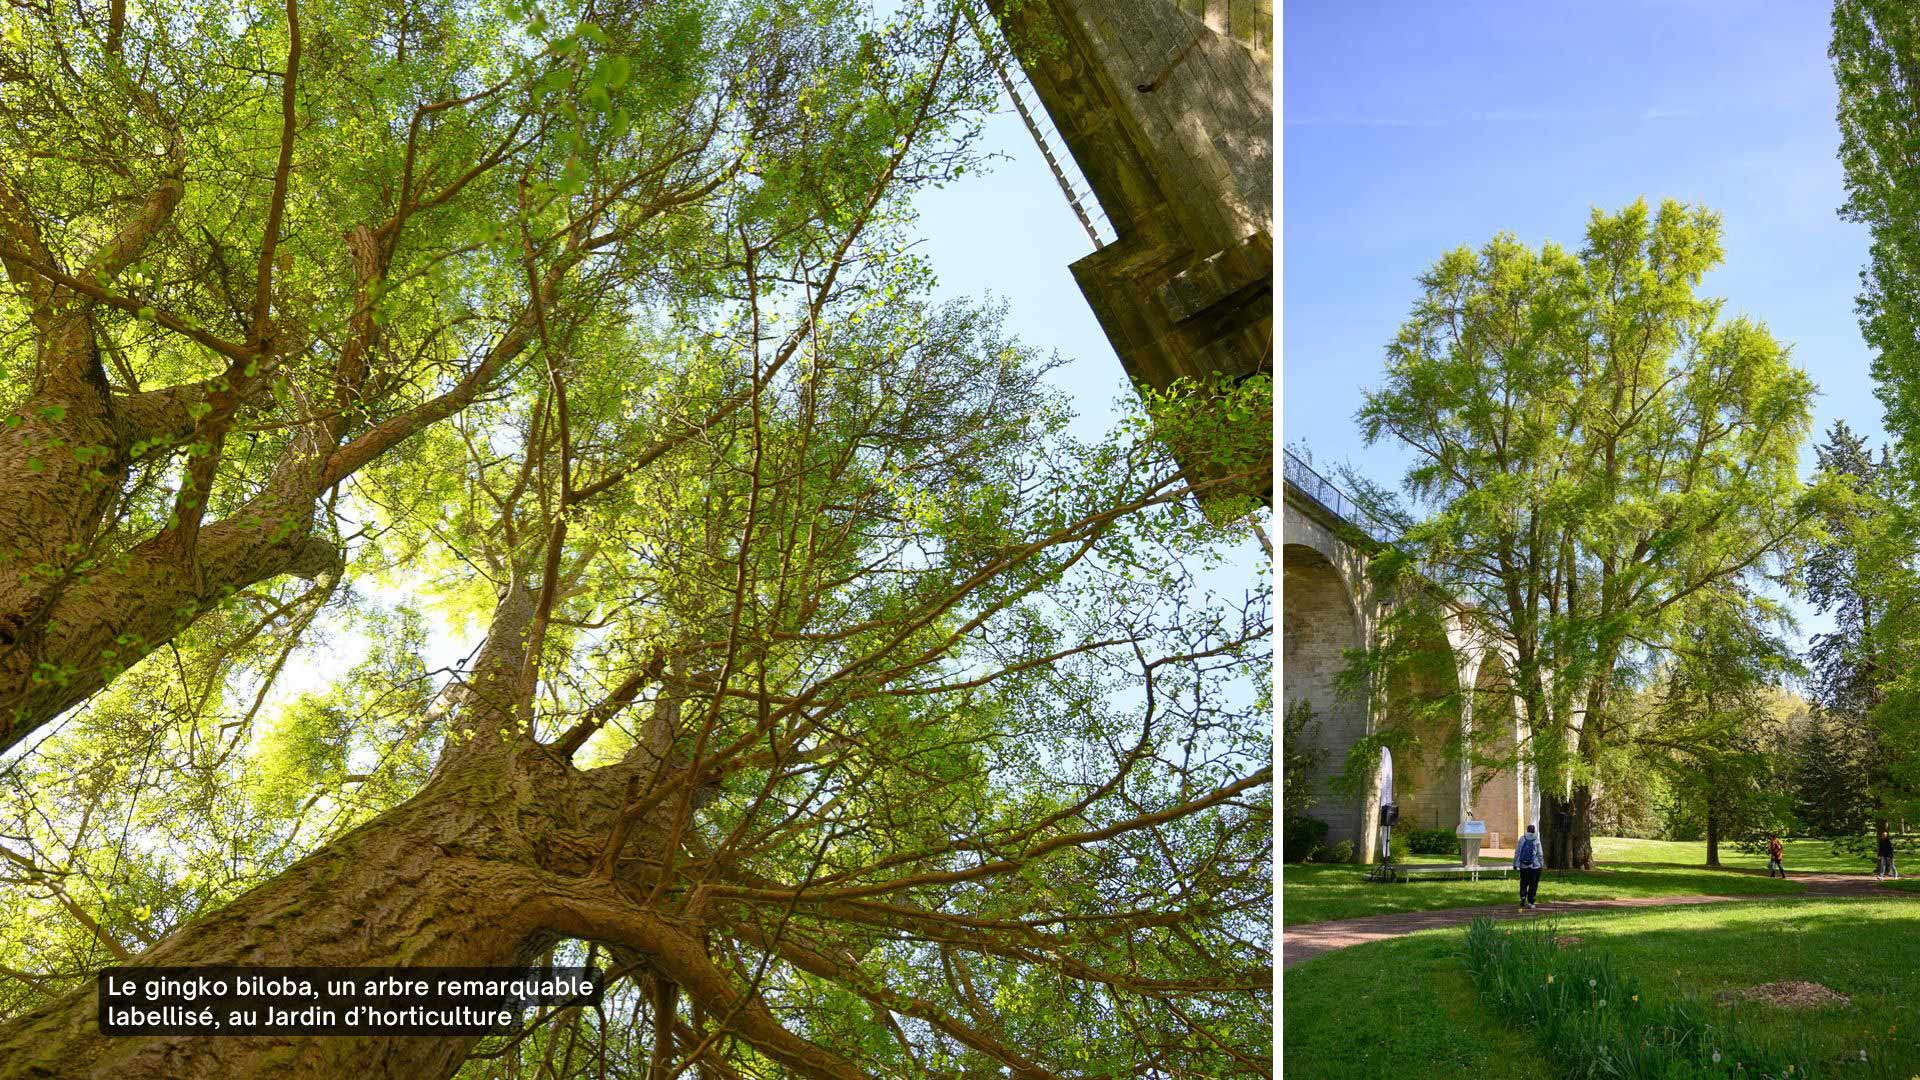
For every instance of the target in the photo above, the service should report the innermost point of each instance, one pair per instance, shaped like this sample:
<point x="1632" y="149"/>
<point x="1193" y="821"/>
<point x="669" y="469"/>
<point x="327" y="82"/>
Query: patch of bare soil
<point x="1568" y="939"/>
<point x="1788" y="995"/>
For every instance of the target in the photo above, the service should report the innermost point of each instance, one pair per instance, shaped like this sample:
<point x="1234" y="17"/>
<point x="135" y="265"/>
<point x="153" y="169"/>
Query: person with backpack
<point x="1527" y="858"/>
<point x="1776" y="852"/>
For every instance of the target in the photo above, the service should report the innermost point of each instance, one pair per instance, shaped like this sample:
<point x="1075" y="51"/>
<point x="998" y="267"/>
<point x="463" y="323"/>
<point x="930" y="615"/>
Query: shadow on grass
<point x="1317" y="894"/>
<point x="1701" y="868"/>
<point x="1405" y="1007"/>
<point x="1407" y="1012"/>
<point x="1845" y="945"/>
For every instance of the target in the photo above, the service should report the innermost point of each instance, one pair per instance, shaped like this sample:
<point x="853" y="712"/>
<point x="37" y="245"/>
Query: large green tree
<point x="1710" y="722"/>
<point x="1861" y="573"/>
<point x="1594" y="447"/>
<point x="1876" y="65"/>
<point x="1868" y="565"/>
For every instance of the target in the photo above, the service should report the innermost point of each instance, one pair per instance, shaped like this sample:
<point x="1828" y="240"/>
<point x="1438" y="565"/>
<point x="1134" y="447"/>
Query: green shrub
<point x="1866" y="846"/>
<point x="1598" y="1024"/>
<point x="1398" y="845"/>
<point x="1301" y="837"/>
<point x="1432" y="841"/>
<point x="1340" y="852"/>
<point x="1301" y="757"/>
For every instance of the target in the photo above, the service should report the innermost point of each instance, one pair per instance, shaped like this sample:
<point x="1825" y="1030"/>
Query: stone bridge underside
<point x="1329" y="610"/>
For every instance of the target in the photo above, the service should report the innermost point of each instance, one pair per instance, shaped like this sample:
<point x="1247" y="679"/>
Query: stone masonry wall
<point x="1167" y="107"/>
<point x="1318" y="626"/>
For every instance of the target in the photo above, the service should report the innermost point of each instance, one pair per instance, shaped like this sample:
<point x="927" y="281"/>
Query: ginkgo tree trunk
<point x="486" y="866"/>
<point x="869" y="723"/>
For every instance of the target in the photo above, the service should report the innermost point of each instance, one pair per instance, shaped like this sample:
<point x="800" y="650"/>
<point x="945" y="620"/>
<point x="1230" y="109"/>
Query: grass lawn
<point x="1396" y="1009"/>
<point x="1316" y="893"/>
<point x="1805" y="856"/>
<point x="1405" y="1007"/>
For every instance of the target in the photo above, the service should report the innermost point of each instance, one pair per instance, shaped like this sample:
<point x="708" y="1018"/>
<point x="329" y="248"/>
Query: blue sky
<point x="1009" y="232"/>
<point x="1413" y="128"/>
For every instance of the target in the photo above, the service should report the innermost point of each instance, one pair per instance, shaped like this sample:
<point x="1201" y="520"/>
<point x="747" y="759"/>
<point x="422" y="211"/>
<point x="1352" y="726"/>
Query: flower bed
<point x="1597" y="1023"/>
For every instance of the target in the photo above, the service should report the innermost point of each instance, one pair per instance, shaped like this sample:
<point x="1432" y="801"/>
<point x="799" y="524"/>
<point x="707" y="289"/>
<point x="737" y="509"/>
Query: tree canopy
<point x="1876" y="66"/>
<point x="1864" y="572"/>
<point x="1598" y="454"/>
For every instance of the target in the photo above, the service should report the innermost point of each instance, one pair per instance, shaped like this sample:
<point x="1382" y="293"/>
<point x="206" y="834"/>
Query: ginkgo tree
<point x="1596" y="448"/>
<point x="856" y="717"/>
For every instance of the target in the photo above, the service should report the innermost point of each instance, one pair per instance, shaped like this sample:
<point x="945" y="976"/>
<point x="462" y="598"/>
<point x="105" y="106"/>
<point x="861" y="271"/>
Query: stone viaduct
<point x="1156" y="117"/>
<point x="1329" y="608"/>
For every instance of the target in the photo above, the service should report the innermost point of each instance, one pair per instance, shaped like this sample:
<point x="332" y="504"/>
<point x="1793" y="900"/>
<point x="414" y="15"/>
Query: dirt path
<point x="1306" y="942"/>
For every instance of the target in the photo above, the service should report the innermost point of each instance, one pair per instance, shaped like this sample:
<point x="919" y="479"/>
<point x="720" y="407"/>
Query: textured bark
<point x="488" y="866"/>
<point x="74" y="612"/>
<point x="65" y="450"/>
<point x="62" y="459"/>
<point x="505" y="850"/>
<point x="70" y="633"/>
<point x="456" y="876"/>
<point x="78" y="605"/>
<point x="677" y="951"/>
<point x="1569" y="829"/>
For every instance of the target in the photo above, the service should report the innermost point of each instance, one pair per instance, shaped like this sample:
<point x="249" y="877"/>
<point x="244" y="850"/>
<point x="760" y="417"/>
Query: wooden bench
<point x="1390" y="872"/>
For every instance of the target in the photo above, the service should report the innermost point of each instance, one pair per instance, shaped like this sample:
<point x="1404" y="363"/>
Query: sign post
<point x="1471" y="834"/>
<point x="1389" y="811"/>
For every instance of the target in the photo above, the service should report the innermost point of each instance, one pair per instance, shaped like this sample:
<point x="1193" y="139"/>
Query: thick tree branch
<point x="676" y="951"/>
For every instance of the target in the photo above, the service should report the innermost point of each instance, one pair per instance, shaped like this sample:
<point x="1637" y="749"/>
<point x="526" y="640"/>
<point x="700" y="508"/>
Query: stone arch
<point x="1423" y="698"/>
<point x="1320" y="623"/>
<point x="1496" y="782"/>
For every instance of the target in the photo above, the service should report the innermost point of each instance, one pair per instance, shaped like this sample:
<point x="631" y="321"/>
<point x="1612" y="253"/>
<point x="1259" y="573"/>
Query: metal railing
<point x="1053" y="147"/>
<point x="1310" y="483"/>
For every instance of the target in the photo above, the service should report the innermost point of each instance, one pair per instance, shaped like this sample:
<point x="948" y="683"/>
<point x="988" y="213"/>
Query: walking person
<point x="1885" y="867"/>
<point x="1527" y="858"/>
<point x="1776" y="852"/>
